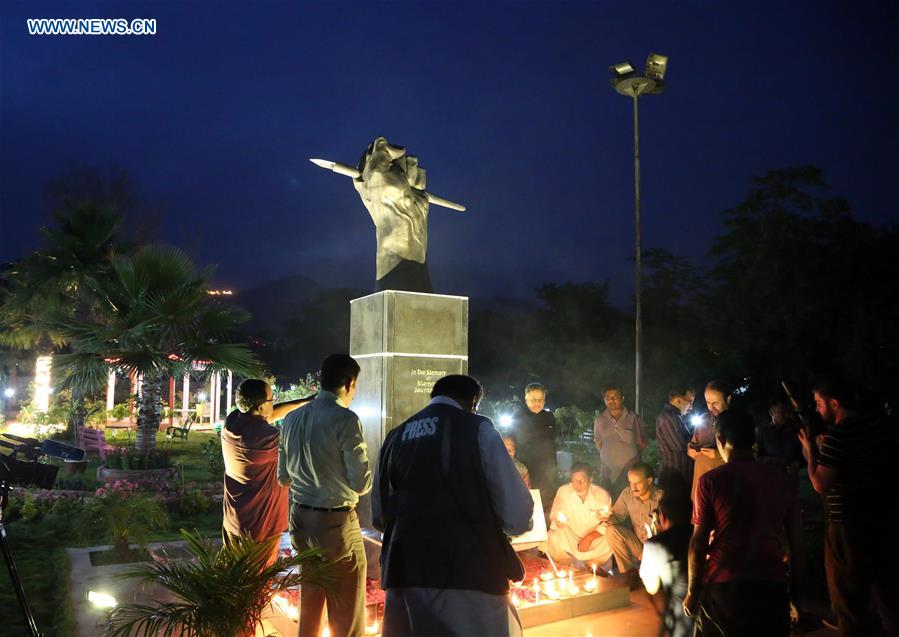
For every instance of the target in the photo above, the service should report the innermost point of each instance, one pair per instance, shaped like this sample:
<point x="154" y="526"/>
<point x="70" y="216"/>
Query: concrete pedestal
<point x="404" y="342"/>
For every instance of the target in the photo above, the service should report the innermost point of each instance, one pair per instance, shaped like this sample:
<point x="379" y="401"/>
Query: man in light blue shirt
<point x="322" y="457"/>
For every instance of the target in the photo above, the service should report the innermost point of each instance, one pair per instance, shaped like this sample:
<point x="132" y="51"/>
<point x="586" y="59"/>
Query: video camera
<point x="808" y="418"/>
<point x="26" y="473"/>
<point x="31" y="472"/>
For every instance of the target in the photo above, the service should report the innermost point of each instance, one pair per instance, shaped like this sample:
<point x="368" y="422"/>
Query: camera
<point x="26" y="474"/>
<point x="30" y="472"/>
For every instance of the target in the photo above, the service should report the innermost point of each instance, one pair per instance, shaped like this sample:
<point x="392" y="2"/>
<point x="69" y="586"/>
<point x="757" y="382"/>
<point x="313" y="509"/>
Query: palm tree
<point x="219" y="593"/>
<point x="61" y="281"/>
<point x="158" y="320"/>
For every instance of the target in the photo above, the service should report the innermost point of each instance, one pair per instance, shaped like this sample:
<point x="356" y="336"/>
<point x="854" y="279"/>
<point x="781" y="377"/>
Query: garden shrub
<point x="120" y="411"/>
<point x="574" y="421"/>
<point x="188" y="502"/>
<point x="125" y="458"/>
<point x="215" y="462"/>
<point x="125" y="516"/>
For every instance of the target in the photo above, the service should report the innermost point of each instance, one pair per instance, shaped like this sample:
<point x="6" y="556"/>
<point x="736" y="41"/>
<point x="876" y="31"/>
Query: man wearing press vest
<point x="446" y="496"/>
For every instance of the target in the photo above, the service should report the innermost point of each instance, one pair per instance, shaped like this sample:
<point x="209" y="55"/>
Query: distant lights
<point x="9" y="392"/>
<point x="219" y="292"/>
<point x="42" y="367"/>
<point x="201" y="396"/>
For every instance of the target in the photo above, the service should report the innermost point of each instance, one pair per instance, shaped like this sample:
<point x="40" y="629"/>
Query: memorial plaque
<point x="404" y="342"/>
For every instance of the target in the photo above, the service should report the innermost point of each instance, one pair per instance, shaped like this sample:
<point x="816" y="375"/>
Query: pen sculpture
<point x="392" y="187"/>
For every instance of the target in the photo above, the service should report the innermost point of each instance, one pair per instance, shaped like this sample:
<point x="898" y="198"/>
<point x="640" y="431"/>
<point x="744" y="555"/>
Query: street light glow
<point x="9" y="392"/>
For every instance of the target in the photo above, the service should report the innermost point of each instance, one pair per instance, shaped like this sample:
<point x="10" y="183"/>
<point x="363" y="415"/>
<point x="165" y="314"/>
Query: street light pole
<point x="628" y="82"/>
<point x="638" y="271"/>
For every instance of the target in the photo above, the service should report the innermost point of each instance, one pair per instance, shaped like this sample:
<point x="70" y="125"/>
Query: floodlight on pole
<point x="627" y="81"/>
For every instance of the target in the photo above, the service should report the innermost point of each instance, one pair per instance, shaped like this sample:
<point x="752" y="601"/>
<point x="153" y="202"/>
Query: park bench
<point x="94" y="439"/>
<point x="172" y="432"/>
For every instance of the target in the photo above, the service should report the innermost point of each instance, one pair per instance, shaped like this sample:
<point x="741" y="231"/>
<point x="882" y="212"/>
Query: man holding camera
<point x="851" y="471"/>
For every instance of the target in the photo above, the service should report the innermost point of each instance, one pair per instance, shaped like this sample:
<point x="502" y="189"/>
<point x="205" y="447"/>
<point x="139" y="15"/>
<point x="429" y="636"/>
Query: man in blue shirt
<point x="323" y="457"/>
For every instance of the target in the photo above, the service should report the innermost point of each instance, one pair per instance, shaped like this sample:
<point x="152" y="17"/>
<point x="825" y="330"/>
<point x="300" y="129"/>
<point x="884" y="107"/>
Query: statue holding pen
<point x="391" y="184"/>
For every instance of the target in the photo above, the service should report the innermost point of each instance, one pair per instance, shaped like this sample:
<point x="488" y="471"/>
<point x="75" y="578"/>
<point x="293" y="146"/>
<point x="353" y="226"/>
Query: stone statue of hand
<point x="392" y="187"/>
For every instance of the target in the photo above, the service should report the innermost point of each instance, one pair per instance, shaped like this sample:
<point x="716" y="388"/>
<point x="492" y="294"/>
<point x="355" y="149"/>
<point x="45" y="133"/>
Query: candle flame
<point x="283" y="604"/>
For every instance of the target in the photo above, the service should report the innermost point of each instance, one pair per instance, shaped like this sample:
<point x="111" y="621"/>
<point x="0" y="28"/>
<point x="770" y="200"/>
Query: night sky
<point x="507" y="104"/>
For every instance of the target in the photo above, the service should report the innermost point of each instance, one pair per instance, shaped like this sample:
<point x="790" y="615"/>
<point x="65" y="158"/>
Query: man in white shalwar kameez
<point x="575" y="531"/>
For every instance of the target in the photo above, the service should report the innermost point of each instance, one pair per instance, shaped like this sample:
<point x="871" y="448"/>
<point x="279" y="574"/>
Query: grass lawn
<point x="39" y="546"/>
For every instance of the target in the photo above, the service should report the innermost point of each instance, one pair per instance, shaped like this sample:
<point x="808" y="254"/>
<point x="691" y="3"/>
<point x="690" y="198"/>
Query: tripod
<point x="11" y="565"/>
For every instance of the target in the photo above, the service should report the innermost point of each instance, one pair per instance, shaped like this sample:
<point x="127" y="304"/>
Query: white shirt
<point x="581" y="516"/>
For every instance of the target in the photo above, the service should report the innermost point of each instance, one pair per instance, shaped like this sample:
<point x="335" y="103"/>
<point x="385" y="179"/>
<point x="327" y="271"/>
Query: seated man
<point x="631" y="517"/>
<point x="575" y="532"/>
<point x="511" y="447"/>
<point x="664" y="565"/>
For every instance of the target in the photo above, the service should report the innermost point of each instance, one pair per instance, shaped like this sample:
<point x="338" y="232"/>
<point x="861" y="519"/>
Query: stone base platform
<point x="607" y="596"/>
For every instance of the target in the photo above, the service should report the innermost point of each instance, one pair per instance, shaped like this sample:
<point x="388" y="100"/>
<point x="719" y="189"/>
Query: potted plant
<point x="218" y="593"/>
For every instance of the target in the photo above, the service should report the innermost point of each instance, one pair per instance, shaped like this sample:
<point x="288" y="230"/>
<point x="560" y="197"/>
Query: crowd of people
<point x="713" y="532"/>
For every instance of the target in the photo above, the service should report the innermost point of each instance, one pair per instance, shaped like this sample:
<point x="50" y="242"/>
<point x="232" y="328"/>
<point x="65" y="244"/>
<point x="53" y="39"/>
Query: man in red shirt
<point x="737" y="582"/>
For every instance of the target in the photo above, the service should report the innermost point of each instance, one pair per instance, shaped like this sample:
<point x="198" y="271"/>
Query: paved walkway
<point x="637" y="620"/>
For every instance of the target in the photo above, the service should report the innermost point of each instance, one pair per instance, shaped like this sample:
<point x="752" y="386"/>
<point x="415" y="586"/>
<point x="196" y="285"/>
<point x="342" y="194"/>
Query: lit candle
<point x="590" y="585"/>
<point x="546" y="576"/>
<point x="573" y="588"/>
<point x="536" y="591"/>
<point x="562" y="574"/>
<point x="593" y="566"/>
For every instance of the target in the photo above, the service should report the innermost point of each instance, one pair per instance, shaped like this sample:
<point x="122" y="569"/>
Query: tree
<point x="802" y="287"/>
<point x="574" y="342"/>
<point x="676" y="342"/>
<point x="60" y="282"/>
<point x="157" y="320"/>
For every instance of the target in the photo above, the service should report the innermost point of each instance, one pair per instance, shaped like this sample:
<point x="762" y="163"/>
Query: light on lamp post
<point x="627" y="81"/>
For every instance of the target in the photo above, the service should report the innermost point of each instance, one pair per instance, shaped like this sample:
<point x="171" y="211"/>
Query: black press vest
<point x="440" y="530"/>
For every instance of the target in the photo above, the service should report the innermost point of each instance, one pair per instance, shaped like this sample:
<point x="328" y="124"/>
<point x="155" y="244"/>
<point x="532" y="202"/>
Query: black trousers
<point x="861" y="572"/>
<point x="744" y="608"/>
